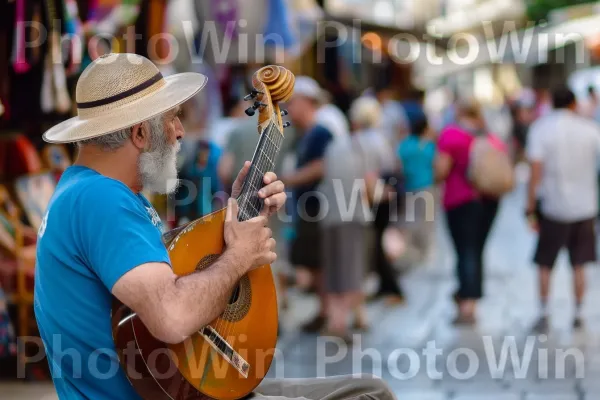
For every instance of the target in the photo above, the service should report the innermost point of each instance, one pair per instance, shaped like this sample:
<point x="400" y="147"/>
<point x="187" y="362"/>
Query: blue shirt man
<point x="311" y="147"/>
<point x="95" y="230"/>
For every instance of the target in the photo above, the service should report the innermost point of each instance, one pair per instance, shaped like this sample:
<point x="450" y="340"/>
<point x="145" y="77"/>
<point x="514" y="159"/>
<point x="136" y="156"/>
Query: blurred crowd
<point x="365" y="188"/>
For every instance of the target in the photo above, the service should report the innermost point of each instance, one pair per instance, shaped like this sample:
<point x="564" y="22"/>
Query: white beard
<point x="158" y="169"/>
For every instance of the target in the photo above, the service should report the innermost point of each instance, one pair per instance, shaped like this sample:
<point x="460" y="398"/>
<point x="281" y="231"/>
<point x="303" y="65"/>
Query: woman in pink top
<point x="469" y="215"/>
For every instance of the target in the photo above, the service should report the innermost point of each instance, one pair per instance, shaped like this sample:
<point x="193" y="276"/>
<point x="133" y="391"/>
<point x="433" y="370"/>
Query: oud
<point x="228" y="358"/>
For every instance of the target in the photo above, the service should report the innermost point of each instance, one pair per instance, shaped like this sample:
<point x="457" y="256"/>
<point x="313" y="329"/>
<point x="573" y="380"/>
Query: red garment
<point x="19" y="157"/>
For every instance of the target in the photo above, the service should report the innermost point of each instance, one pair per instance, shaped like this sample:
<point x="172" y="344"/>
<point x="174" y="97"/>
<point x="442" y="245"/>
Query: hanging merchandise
<point x="278" y="24"/>
<point x="229" y="32"/>
<point x="73" y="36"/>
<point x="88" y="28"/>
<point x="19" y="61"/>
<point x="55" y="95"/>
<point x="4" y="60"/>
<point x="109" y="17"/>
<point x="226" y="17"/>
<point x="305" y="15"/>
<point x="180" y="15"/>
<point x="159" y="49"/>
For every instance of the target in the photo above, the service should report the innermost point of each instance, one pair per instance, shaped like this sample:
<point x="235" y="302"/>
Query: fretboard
<point x="263" y="161"/>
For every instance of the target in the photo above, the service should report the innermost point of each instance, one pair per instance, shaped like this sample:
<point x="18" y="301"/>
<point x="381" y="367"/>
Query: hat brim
<point x="177" y="89"/>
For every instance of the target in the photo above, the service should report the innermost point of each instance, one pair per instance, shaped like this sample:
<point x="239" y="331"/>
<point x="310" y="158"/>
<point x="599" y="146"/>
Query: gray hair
<point x="365" y="112"/>
<point x="116" y="140"/>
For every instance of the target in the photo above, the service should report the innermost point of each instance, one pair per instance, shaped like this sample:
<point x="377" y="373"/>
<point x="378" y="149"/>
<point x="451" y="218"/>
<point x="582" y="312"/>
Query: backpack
<point x="490" y="169"/>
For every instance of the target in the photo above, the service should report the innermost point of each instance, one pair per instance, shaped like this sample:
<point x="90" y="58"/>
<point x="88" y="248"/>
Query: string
<point x="263" y="161"/>
<point x="243" y="215"/>
<point x="266" y="163"/>
<point x="248" y="189"/>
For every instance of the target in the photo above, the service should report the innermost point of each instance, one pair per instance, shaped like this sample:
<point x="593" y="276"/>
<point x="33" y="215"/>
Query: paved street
<point x="564" y="364"/>
<point x="422" y="356"/>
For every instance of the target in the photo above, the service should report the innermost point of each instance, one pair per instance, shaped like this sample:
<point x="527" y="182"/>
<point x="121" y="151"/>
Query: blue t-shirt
<point x="311" y="147"/>
<point x="417" y="157"/>
<point x="95" y="230"/>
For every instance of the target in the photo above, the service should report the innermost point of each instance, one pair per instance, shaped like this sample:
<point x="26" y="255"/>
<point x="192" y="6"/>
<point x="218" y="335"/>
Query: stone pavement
<point x="420" y="354"/>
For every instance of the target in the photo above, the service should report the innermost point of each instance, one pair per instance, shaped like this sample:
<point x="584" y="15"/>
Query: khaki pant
<point x="356" y="387"/>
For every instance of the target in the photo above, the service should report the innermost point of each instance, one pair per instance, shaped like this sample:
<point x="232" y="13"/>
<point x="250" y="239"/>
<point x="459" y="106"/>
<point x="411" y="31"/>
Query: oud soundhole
<point x="235" y="296"/>
<point x="239" y="302"/>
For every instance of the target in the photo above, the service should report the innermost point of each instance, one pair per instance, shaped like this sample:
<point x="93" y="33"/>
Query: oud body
<point x="228" y="358"/>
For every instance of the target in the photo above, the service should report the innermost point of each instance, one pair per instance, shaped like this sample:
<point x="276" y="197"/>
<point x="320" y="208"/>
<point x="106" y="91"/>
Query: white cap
<point x="308" y="87"/>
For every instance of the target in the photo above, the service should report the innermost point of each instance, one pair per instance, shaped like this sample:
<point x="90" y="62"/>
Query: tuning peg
<point x="284" y="113"/>
<point x="250" y="111"/>
<point x="253" y="94"/>
<point x="286" y="124"/>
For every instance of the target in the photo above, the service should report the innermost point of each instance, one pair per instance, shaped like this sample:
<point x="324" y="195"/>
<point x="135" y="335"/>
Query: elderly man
<point x="314" y="138"/>
<point x="101" y="238"/>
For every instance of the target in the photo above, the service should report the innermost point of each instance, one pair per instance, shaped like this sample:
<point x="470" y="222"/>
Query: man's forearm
<point x="199" y="298"/>
<point x="309" y="173"/>
<point x="534" y="180"/>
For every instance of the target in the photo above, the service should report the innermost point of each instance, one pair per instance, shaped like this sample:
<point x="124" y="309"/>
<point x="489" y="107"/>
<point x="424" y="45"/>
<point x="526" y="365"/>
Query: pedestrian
<point x="524" y="115"/>
<point x="415" y="226"/>
<point x="240" y="142"/>
<point x="314" y="138"/>
<point x="332" y="118"/>
<point x="345" y="227"/>
<point x="470" y="215"/>
<point x="562" y="203"/>
<point x="201" y="191"/>
<point x="392" y="128"/>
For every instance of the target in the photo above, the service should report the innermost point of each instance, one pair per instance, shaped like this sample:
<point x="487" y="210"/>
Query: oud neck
<point x="263" y="161"/>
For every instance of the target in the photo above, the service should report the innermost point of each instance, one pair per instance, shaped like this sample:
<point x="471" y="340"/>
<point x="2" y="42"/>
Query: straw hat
<point x="117" y="91"/>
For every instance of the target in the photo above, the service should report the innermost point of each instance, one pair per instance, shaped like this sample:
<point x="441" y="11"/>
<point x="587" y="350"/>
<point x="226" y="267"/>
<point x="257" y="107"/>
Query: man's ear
<point x="140" y="135"/>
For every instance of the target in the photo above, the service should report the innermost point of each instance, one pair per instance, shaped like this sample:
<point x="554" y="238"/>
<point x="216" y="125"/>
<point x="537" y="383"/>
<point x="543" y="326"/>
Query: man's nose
<point x="179" y="130"/>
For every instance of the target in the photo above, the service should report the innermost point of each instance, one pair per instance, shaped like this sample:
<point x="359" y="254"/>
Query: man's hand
<point x="250" y="241"/>
<point x="531" y="215"/>
<point x="272" y="193"/>
<point x="532" y="221"/>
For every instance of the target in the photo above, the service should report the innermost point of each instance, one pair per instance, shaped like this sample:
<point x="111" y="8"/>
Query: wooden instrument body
<point x="249" y="326"/>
